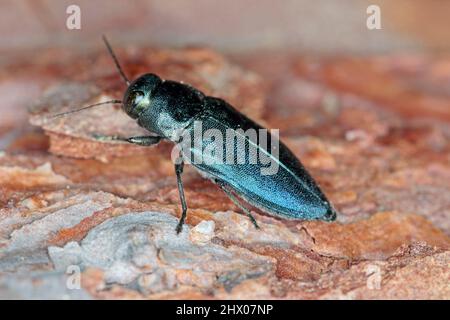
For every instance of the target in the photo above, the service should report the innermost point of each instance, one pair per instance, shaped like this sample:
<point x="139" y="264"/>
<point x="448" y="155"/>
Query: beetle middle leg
<point x="139" y="140"/>
<point x="179" y="164"/>
<point x="230" y="195"/>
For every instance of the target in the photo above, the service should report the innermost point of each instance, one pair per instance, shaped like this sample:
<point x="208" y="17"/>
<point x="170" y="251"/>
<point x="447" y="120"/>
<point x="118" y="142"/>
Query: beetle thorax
<point x="173" y="106"/>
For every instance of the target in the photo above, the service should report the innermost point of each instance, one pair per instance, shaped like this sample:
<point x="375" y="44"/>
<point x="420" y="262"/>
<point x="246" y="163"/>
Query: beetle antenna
<point x="111" y="52"/>
<point x="84" y="108"/>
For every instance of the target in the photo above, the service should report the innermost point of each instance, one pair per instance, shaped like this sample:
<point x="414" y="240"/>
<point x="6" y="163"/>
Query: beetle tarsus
<point x="180" y="224"/>
<point x="101" y="137"/>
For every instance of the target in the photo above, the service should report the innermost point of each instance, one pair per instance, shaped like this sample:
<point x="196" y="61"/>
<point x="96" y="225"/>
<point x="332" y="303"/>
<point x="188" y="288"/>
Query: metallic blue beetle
<point x="170" y="110"/>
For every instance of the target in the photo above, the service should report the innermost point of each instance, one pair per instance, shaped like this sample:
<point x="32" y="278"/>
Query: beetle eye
<point x="134" y="98"/>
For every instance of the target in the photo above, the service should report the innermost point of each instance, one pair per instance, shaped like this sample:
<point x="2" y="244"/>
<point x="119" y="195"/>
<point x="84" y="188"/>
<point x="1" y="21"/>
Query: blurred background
<point x="321" y="26"/>
<point x="409" y="70"/>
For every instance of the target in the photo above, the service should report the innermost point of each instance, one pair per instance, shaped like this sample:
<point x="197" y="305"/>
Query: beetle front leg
<point x="179" y="164"/>
<point x="139" y="140"/>
<point x="230" y="195"/>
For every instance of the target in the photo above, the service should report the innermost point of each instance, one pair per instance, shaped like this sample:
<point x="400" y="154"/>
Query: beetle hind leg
<point x="237" y="202"/>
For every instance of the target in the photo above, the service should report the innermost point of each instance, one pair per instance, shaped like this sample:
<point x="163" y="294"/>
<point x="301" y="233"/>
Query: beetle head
<point x="137" y="97"/>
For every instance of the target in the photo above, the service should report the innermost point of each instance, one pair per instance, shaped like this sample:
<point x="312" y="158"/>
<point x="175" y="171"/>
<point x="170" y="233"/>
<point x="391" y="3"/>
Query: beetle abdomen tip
<point x="330" y="215"/>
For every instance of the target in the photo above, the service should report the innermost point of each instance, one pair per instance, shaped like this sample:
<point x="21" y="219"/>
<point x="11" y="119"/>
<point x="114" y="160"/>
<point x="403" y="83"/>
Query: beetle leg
<point x="179" y="164"/>
<point x="144" y="140"/>
<point x="236" y="202"/>
<point x="139" y="140"/>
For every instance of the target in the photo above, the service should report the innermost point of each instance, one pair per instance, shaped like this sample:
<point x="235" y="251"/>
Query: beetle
<point x="166" y="108"/>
